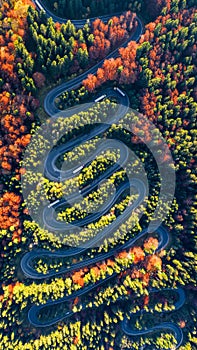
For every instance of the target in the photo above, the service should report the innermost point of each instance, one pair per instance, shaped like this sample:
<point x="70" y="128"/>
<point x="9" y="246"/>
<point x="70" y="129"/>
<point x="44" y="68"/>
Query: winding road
<point x="30" y="272"/>
<point x="49" y="103"/>
<point x="34" y="311"/>
<point x="54" y="174"/>
<point x="163" y="326"/>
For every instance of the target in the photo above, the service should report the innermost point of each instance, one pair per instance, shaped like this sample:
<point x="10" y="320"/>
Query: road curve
<point x="51" y="171"/>
<point x="51" y="223"/>
<point x="163" y="326"/>
<point x="49" y="102"/>
<point x="26" y="262"/>
<point x="78" y="23"/>
<point x="30" y="272"/>
<point x="34" y="310"/>
<point x="54" y="174"/>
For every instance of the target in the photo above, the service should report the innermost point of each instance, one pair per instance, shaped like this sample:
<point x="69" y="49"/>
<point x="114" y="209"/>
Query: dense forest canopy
<point x="159" y="76"/>
<point x="77" y="9"/>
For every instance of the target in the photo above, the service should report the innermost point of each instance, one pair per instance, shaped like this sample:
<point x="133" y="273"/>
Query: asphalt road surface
<point x="54" y="174"/>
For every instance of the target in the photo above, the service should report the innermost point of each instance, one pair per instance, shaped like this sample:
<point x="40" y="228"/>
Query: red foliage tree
<point x="153" y="263"/>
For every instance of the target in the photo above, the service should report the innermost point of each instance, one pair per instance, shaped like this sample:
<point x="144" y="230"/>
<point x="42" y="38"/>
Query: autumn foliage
<point x="16" y="109"/>
<point x="160" y="71"/>
<point x="137" y="254"/>
<point x="153" y="263"/>
<point x="10" y="204"/>
<point x="121" y="69"/>
<point x="78" y="278"/>
<point x="9" y="214"/>
<point x="110" y="35"/>
<point x="151" y="244"/>
<point x="15" y="106"/>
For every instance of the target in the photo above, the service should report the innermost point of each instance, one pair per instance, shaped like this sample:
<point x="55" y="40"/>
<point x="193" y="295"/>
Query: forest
<point x="78" y="9"/>
<point x="158" y="73"/>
